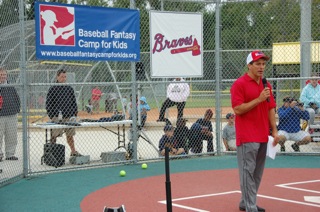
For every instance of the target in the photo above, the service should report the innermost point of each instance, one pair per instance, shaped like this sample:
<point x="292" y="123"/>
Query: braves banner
<point x="176" y="44"/>
<point x="75" y="32"/>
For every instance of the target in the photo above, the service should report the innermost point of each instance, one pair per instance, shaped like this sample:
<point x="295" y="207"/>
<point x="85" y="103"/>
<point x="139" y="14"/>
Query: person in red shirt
<point x="95" y="99"/>
<point x="254" y="106"/>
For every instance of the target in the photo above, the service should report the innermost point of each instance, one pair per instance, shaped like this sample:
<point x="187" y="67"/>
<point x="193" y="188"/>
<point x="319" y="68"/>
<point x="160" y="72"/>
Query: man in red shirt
<point x="95" y="98"/>
<point x="254" y="106"/>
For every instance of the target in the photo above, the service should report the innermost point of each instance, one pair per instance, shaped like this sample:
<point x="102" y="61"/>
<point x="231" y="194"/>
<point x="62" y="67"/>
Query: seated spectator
<point x="206" y="131"/>
<point x="289" y="124"/>
<point x="229" y="134"/>
<point x="181" y="134"/>
<point x="310" y="97"/>
<point x="167" y="140"/>
<point x="195" y="139"/>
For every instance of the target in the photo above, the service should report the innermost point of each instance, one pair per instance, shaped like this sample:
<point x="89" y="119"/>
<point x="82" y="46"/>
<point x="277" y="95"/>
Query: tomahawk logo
<point x="57" y="25"/>
<point x="195" y="49"/>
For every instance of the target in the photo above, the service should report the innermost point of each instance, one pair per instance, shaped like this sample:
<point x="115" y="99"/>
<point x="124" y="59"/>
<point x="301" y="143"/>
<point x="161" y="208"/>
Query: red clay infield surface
<point x="216" y="190"/>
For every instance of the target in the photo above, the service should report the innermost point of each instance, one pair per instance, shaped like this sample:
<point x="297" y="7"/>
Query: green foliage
<point x="249" y="25"/>
<point x="315" y="18"/>
<point x="9" y="10"/>
<point x="30" y="9"/>
<point x="209" y="30"/>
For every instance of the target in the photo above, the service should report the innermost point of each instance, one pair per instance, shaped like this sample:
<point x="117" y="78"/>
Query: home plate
<point x="314" y="199"/>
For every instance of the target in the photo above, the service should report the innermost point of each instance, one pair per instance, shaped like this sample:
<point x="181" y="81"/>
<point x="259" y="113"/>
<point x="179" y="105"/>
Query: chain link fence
<point x="286" y="30"/>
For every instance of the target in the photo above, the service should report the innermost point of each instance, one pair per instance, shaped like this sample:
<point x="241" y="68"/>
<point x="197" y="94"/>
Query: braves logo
<point x="190" y="43"/>
<point x="57" y="25"/>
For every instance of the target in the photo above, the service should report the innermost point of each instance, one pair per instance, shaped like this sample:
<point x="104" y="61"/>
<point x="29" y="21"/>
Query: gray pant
<point x="312" y="114"/>
<point x="251" y="160"/>
<point x="8" y="130"/>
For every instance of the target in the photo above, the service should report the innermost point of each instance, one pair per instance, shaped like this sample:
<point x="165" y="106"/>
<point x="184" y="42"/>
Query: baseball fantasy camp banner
<point x="75" y="32"/>
<point x="176" y="44"/>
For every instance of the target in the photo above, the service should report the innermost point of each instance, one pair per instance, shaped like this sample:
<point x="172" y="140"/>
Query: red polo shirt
<point x="252" y="126"/>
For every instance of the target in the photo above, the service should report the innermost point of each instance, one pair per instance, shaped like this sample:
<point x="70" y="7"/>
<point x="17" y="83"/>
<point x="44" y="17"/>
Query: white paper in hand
<point x="271" y="150"/>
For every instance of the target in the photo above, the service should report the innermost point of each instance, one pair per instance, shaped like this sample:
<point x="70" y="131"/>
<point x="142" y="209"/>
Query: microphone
<point x="264" y="81"/>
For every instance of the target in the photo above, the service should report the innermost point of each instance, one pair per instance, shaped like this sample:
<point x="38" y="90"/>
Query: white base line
<point x="195" y="197"/>
<point x="287" y="200"/>
<point x="189" y="208"/>
<point x="287" y="185"/>
<point x="231" y="192"/>
<point x="206" y="195"/>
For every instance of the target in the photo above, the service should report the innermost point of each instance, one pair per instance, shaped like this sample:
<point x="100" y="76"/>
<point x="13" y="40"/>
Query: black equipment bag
<point x="54" y="154"/>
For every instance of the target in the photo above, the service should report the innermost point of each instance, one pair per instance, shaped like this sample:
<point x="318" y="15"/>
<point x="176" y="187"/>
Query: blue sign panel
<point x="75" y="32"/>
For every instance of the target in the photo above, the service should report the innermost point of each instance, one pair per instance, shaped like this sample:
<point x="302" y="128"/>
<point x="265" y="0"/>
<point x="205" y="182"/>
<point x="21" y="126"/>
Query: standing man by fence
<point x="61" y="105"/>
<point x="9" y="109"/>
<point x="254" y="107"/>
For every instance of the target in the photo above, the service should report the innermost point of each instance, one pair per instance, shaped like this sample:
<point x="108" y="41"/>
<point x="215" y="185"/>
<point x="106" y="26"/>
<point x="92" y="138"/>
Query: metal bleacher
<point x="315" y="135"/>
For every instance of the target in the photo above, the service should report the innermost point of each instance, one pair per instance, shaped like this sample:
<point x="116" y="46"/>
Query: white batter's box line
<point x="288" y="200"/>
<point x="289" y="186"/>
<point x="231" y="192"/>
<point x="196" y="197"/>
<point x="205" y="195"/>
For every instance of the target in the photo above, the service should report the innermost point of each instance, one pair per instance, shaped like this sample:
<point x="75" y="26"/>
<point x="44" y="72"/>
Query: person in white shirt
<point x="310" y="97"/>
<point x="177" y="94"/>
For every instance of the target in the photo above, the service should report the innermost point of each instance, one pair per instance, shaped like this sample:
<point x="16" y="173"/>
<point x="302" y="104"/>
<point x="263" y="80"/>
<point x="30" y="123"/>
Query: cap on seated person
<point x="288" y="99"/>
<point x="195" y="128"/>
<point x="256" y="55"/>
<point x="168" y="128"/>
<point x="229" y="115"/>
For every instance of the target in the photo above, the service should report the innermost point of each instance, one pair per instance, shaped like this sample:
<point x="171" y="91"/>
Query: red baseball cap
<point x="229" y="115"/>
<point x="256" y="55"/>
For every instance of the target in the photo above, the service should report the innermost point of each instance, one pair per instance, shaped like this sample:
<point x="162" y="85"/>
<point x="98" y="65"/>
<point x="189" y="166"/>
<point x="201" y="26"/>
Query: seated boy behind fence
<point x="181" y="134"/>
<point x="195" y="139"/>
<point x="167" y="140"/>
<point x="206" y="131"/>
